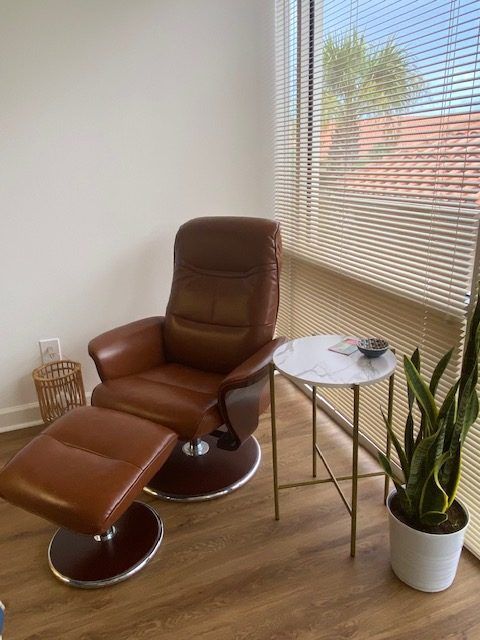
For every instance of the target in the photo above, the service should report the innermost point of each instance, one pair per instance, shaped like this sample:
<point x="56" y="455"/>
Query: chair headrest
<point x="228" y="243"/>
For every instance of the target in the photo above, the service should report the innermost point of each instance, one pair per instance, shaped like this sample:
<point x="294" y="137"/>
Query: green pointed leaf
<point x="471" y="414"/>
<point x="467" y="411"/>
<point x="422" y="394"/>
<point x="447" y="413"/>
<point x="449" y="421"/>
<point x="470" y="356"/>
<point x="424" y="427"/>
<point x="405" y="503"/>
<point x="386" y="464"/>
<point x="409" y="440"/>
<point x="416" y="363"/>
<point x="436" y="450"/>
<point x="404" y="463"/>
<point x="449" y="400"/>
<point x="419" y="470"/>
<point x="450" y="476"/>
<point x="411" y="397"/>
<point x="433" y="497"/>
<point x="420" y="434"/>
<point x="416" y="359"/>
<point x="387" y="467"/>
<point x="439" y="371"/>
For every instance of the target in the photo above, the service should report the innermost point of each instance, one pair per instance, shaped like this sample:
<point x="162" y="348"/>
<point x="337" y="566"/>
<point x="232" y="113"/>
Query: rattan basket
<point x="59" y="388"/>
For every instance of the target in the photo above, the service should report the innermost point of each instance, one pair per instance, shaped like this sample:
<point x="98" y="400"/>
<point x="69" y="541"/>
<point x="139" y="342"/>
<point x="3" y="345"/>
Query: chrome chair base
<point x="216" y="473"/>
<point x="196" y="447"/>
<point x="90" y="562"/>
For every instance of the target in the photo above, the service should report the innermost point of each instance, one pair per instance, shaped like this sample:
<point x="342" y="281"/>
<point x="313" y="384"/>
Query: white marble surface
<point x="309" y="360"/>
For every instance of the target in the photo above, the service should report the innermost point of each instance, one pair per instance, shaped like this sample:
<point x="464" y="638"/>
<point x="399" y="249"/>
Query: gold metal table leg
<point x="314" y="431"/>
<point x="274" y="440"/>
<point x="315" y="449"/>
<point x="353" y="532"/>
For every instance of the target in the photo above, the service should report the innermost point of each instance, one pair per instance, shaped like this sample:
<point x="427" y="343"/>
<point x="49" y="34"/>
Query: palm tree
<point x="361" y="80"/>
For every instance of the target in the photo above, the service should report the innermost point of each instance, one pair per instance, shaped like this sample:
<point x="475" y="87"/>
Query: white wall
<point x="119" y="120"/>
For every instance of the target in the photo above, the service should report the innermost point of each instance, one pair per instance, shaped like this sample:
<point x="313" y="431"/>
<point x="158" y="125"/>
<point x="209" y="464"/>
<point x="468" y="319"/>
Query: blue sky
<point x="440" y="38"/>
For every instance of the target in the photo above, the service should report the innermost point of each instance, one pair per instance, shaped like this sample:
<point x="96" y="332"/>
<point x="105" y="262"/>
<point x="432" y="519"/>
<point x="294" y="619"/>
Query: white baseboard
<point x="22" y="416"/>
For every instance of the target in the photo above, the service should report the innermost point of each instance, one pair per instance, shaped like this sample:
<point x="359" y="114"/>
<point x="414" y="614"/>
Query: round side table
<point x="309" y="361"/>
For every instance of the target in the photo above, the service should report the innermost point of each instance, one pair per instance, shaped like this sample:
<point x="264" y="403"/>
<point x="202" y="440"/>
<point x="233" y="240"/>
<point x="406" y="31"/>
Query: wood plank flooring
<point x="228" y="571"/>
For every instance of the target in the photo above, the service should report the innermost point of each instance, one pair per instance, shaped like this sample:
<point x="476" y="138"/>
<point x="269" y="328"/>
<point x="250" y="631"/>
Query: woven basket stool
<point x="59" y="388"/>
<point x="83" y="473"/>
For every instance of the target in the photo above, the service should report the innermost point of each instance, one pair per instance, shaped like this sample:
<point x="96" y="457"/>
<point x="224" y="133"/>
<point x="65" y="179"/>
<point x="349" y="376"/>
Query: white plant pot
<point x="424" y="561"/>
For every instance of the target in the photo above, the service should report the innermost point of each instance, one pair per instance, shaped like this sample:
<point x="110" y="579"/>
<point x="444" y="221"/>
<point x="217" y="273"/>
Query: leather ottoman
<point x="83" y="473"/>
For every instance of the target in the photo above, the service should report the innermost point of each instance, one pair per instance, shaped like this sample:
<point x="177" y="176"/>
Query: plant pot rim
<point x="425" y="533"/>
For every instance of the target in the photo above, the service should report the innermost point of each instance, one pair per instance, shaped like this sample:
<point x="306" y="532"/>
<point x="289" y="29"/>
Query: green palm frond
<point x="361" y="80"/>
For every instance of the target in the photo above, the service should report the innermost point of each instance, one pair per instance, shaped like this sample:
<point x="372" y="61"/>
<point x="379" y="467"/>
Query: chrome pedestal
<point x="90" y="562"/>
<point x="190" y="477"/>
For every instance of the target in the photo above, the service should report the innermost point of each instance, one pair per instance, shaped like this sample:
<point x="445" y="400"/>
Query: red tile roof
<point x="435" y="157"/>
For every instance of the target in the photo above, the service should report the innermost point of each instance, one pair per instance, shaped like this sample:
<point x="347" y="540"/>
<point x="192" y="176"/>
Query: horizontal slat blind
<point x="336" y="304"/>
<point x="384" y="114"/>
<point x="377" y="183"/>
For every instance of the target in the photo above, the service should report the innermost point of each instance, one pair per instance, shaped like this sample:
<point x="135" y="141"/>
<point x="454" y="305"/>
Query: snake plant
<point x="431" y="453"/>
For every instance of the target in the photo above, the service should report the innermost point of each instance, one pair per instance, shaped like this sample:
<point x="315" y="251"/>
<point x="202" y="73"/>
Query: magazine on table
<point x="346" y="347"/>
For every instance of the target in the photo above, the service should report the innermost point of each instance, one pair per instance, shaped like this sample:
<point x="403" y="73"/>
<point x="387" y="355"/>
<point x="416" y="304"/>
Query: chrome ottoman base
<point x="90" y="562"/>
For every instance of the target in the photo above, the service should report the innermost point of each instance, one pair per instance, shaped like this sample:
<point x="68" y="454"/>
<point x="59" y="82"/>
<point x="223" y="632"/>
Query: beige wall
<point x="119" y="120"/>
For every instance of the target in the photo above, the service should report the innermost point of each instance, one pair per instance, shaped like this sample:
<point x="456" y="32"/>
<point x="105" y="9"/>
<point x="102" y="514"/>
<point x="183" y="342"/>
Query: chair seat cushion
<point x="85" y="470"/>
<point x="178" y="397"/>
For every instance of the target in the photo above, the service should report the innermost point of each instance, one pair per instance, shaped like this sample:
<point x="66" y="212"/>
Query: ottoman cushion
<point x="84" y="470"/>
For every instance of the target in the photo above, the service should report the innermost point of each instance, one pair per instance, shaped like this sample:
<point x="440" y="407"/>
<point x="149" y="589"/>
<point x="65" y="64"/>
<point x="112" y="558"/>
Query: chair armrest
<point x="243" y="395"/>
<point x="128" y="349"/>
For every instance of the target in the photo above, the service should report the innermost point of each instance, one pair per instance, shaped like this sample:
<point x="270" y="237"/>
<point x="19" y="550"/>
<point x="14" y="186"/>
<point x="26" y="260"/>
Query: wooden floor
<point x="226" y="570"/>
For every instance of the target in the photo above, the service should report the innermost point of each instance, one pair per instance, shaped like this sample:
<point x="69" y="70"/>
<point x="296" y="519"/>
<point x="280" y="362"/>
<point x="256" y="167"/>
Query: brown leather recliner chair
<point x="202" y="370"/>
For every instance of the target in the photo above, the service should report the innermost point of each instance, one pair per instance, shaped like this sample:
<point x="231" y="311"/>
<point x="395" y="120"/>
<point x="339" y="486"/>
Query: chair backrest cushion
<point x="224" y="299"/>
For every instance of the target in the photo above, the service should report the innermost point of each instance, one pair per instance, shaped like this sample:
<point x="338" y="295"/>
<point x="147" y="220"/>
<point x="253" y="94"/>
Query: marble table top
<point x="309" y="360"/>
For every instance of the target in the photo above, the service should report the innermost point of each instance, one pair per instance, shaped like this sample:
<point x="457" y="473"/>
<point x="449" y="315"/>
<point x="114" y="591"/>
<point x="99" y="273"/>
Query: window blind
<point x="377" y="183"/>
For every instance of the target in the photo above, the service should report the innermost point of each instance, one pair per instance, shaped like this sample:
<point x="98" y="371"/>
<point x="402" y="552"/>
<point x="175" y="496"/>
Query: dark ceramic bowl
<point x="372" y="347"/>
